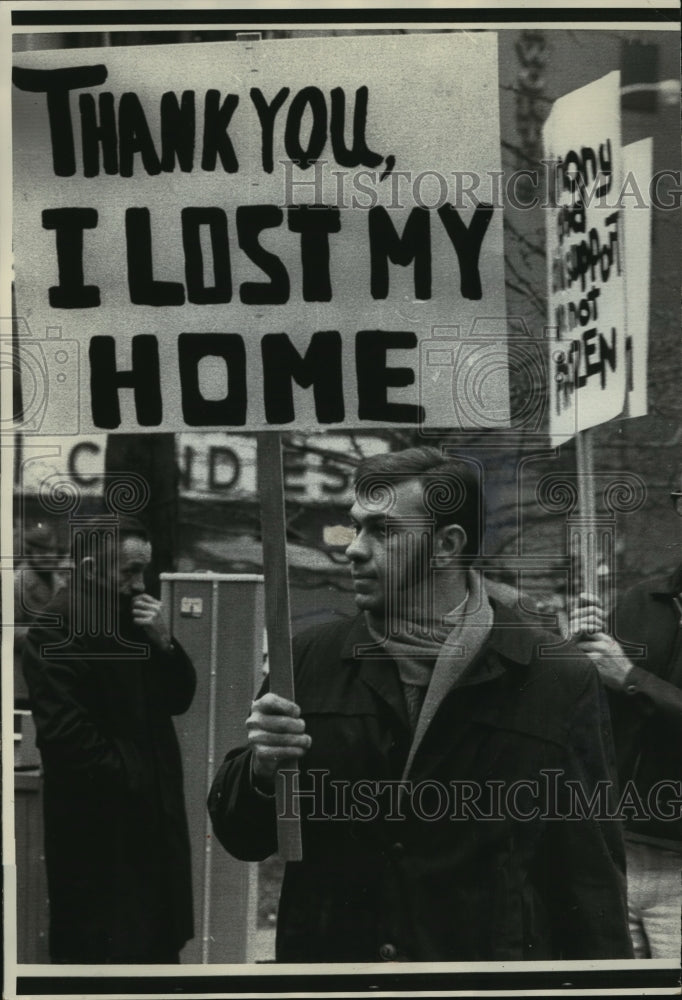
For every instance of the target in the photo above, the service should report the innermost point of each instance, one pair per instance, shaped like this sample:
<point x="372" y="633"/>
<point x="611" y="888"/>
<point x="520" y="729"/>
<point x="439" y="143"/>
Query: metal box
<point x="219" y="620"/>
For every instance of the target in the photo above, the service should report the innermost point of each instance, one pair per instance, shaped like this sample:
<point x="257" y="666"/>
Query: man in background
<point x="37" y="578"/>
<point x="103" y="687"/>
<point x="645" y="697"/>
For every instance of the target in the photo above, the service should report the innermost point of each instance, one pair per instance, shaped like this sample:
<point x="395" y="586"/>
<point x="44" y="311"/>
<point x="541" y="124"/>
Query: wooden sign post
<point x="277" y="612"/>
<point x="589" y="554"/>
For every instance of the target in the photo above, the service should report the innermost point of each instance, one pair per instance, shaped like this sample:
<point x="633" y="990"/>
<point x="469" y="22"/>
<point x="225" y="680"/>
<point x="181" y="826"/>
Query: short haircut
<point x="131" y="527"/>
<point x="126" y="527"/>
<point x="462" y="505"/>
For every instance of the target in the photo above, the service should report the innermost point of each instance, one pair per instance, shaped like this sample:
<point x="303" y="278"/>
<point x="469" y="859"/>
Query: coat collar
<point x="127" y="641"/>
<point x="376" y="668"/>
<point x="666" y="586"/>
<point x="511" y="637"/>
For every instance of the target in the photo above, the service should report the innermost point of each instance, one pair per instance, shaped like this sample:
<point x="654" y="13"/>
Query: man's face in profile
<point x="134" y="556"/>
<point x="390" y="569"/>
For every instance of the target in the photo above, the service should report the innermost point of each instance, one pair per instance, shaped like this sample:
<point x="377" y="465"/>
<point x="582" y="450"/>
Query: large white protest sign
<point x="256" y="235"/>
<point x="585" y="260"/>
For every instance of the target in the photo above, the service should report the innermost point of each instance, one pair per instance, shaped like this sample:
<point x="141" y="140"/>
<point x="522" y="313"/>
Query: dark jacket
<point x="647" y="713"/>
<point x="372" y="887"/>
<point x="116" y="837"/>
<point x="33" y="591"/>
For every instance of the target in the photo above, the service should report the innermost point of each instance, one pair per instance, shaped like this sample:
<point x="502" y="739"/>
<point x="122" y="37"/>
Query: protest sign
<point x="585" y="260"/>
<point x="257" y="235"/>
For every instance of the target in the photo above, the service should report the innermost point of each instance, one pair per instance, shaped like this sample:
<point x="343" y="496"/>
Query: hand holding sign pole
<point x="277" y="613"/>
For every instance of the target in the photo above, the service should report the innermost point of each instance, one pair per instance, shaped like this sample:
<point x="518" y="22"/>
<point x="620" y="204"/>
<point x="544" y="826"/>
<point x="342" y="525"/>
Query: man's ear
<point x="451" y="539"/>
<point x="88" y="567"/>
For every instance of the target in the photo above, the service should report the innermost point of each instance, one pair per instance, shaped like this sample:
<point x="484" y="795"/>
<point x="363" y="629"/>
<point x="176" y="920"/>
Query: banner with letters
<point x="211" y="465"/>
<point x="259" y="234"/>
<point x="585" y="260"/>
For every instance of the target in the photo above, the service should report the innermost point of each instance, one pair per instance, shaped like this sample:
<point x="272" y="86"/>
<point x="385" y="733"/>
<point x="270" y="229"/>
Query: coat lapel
<point x="375" y="668"/>
<point x="468" y="702"/>
<point x="509" y="639"/>
<point x="457" y="654"/>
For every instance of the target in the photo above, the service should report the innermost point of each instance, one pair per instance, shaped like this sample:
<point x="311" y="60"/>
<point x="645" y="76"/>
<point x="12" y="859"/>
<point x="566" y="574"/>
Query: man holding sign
<point x="448" y="774"/>
<point x="645" y="697"/>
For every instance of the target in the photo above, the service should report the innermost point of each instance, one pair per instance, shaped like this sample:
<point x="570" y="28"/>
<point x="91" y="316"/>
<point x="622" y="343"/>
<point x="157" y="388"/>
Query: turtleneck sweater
<point x="415" y="649"/>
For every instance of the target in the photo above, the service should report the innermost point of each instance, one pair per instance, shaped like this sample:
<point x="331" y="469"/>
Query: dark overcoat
<point x="647" y="711"/>
<point x="428" y="877"/>
<point x="116" y="837"/>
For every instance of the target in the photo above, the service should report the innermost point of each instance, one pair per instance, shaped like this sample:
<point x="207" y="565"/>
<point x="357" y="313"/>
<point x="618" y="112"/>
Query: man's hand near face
<point x="147" y="614"/>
